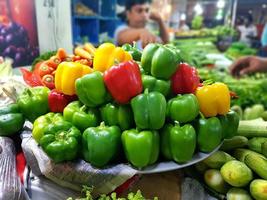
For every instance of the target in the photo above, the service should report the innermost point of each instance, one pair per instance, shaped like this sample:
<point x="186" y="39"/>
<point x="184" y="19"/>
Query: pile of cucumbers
<point x="239" y="169"/>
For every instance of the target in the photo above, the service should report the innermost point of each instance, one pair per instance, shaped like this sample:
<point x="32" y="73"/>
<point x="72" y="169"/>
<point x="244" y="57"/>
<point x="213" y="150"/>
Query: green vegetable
<point x="208" y="128"/>
<point x="141" y="148"/>
<point x="258" y="189"/>
<point x="11" y="120"/>
<point x="91" y="89"/>
<point x="236" y="173"/>
<point x="136" y="54"/>
<point x="252" y="128"/>
<point x="183" y="108"/>
<point x="233" y="143"/>
<point x="153" y="84"/>
<point x="149" y="110"/>
<point x="255" y="144"/>
<point x="155" y="57"/>
<point x="254" y="112"/>
<point x="178" y="142"/>
<point x="197" y="22"/>
<point x="257" y="163"/>
<point x="214" y="180"/>
<point x="241" y="154"/>
<point x="238" y="193"/>
<point x="264" y="149"/>
<point x="80" y="115"/>
<point x="119" y="115"/>
<point x="33" y="102"/>
<point x="101" y="144"/>
<point x="218" y="159"/>
<point x="201" y="167"/>
<point x="229" y="123"/>
<point x="61" y="140"/>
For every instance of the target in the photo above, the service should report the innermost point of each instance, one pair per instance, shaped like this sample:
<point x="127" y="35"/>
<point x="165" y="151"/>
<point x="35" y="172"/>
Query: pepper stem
<point x="83" y="108"/>
<point x="201" y="115"/>
<point x="176" y="123"/>
<point x="102" y="124"/>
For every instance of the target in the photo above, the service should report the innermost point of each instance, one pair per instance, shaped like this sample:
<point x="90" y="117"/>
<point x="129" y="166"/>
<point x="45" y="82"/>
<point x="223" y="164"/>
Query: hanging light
<point x="183" y="16"/>
<point x="221" y="4"/>
<point x="198" y="9"/>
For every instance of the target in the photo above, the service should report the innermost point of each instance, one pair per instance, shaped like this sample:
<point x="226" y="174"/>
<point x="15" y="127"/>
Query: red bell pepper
<point x="57" y="101"/>
<point x="124" y="81"/>
<point x="185" y="79"/>
<point x="30" y="78"/>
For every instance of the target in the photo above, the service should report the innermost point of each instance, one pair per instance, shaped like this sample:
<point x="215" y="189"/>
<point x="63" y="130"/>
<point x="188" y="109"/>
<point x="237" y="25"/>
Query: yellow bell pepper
<point x="107" y="54"/>
<point x="213" y="99"/>
<point x="66" y="75"/>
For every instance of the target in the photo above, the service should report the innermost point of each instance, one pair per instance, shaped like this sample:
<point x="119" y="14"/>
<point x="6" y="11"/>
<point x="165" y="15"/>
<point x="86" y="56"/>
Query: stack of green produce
<point x="240" y="165"/>
<point x="136" y="111"/>
<point x="238" y="49"/>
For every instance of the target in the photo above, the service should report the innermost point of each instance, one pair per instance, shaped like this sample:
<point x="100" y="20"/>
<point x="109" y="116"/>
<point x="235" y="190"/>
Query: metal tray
<point x="171" y="165"/>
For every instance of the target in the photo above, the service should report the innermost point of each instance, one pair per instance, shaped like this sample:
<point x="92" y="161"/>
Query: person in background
<point x="183" y="26"/>
<point x="247" y="30"/>
<point x="248" y="65"/>
<point x="263" y="50"/>
<point x="137" y="15"/>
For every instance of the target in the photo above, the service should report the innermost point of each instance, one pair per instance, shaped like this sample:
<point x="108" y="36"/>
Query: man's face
<point x="138" y="15"/>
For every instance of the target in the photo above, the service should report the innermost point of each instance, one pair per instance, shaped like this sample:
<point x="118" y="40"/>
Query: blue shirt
<point x="264" y="36"/>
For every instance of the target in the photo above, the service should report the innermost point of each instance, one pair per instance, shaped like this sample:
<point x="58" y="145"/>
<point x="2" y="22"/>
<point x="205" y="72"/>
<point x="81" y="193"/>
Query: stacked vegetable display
<point x="147" y="109"/>
<point x="241" y="163"/>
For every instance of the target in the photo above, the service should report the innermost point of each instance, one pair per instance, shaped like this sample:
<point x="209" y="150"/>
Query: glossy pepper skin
<point x="183" y="108"/>
<point x="185" y="80"/>
<point x="141" y="148"/>
<point x="178" y="143"/>
<point x="61" y="141"/>
<point x="11" y="120"/>
<point x="209" y="133"/>
<point x="42" y="122"/>
<point x="153" y="84"/>
<point x="66" y="75"/>
<point x="229" y="123"/>
<point x="57" y="101"/>
<point x="124" y="81"/>
<point x="149" y="110"/>
<point x="107" y="54"/>
<point x="160" y="61"/>
<point x="101" y="144"/>
<point x="135" y="53"/>
<point x="81" y="116"/>
<point x="91" y="89"/>
<point x="213" y="99"/>
<point x="120" y="115"/>
<point x="33" y="102"/>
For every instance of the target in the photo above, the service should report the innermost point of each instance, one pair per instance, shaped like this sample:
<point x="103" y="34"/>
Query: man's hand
<point x="146" y="37"/>
<point x="155" y="16"/>
<point x="248" y="65"/>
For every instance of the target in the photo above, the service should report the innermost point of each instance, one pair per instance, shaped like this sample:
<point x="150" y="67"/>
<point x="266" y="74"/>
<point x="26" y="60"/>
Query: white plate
<point x="170" y="165"/>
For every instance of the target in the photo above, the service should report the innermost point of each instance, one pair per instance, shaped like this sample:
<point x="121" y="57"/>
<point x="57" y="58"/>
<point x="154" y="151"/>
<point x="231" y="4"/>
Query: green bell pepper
<point x="101" y="144"/>
<point x="178" y="143"/>
<point x="183" y="108"/>
<point x="61" y="141"/>
<point x="11" y="120"/>
<point x="136" y="54"/>
<point x="119" y="115"/>
<point x="149" y="110"/>
<point x="229" y="123"/>
<point x="153" y="84"/>
<point x="33" y="102"/>
<point x="141" y="148"/>
<point x="91" y="89"/>
<point x="42" y="122"/>
<point x="209" y="133"/>
<point x="160" y="61"/>
<point x="81" y="116"/>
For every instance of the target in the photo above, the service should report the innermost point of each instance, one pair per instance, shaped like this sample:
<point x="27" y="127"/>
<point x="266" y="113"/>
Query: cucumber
<point x="258" y="164"/>
<point x="252" y="128"/>
<point x="240" y="154"/>
<point x="258" y="189"/>
<point x="216" y="160"/>
<point x="234" y="142"/>
<point x="264" y="115"/>
<point x="238" y="110"/>
<point x="264" y="149"/>
<point x="238" y="194"/>
<point x="201" y="167"/>
<point x="214" y="180"/>
<point x="255" y="143"/>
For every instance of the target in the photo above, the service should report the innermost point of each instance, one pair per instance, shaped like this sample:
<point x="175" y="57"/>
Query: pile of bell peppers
<point x="120" y="109"/>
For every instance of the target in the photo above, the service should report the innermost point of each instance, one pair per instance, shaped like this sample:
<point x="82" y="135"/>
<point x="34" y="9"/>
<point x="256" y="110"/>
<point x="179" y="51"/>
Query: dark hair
<point x="130" y="3"/>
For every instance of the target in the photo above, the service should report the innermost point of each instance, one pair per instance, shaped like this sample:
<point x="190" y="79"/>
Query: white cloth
<point x="246" y="32"/>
